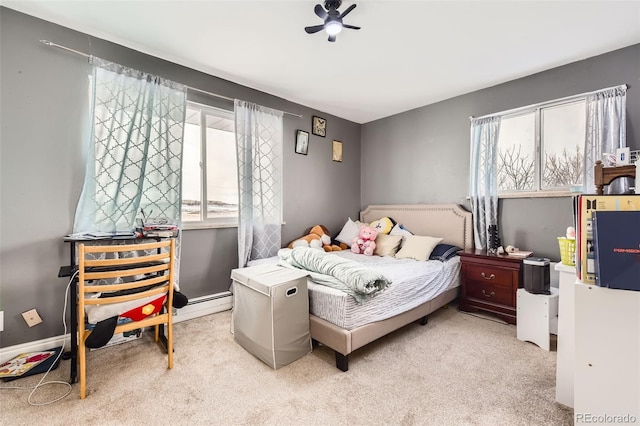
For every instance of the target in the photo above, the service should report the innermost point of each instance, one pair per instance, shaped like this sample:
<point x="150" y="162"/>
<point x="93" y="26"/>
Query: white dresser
<point x="598" y="364"/>
<point x="566" y="334"/>
<point x="607" y="355"/>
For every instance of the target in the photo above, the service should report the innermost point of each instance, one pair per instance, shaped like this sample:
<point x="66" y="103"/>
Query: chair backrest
<point x="146" y="271"/>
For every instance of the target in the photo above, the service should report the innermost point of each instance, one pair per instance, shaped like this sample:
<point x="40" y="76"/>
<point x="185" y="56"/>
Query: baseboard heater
<point x="204" y="305"/>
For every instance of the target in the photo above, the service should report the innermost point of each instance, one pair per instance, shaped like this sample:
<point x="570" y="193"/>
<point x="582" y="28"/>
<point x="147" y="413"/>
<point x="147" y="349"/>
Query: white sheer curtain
<point x="259" y="133"/>
<point x="606" y="132"/>
<point x="483" y="179"/>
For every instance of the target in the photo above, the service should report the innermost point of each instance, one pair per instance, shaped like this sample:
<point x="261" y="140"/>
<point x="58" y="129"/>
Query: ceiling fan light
<point x="333" y="28"/>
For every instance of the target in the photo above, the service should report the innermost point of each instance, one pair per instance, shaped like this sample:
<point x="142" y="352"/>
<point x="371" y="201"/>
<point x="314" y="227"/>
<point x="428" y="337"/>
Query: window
<point x="541" y="149"/>
<point x="209" y="172"/>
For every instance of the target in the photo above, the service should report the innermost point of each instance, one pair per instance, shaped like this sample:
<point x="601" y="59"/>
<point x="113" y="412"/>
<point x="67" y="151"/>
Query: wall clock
<point x="319" y="126"/>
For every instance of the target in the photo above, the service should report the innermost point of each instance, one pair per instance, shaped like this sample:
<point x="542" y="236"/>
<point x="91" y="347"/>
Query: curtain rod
<point x="195" y="89"/>
<point x="539" y="104"/>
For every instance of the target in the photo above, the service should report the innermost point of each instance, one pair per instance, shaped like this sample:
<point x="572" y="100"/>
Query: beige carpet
<point x="456" y="370"/>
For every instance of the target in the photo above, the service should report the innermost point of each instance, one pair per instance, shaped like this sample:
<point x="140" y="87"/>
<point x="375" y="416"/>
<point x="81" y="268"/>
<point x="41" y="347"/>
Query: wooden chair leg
<point x="82" y="351"/>
<point x="170" y="342"/>
<point x="156" y="333"/>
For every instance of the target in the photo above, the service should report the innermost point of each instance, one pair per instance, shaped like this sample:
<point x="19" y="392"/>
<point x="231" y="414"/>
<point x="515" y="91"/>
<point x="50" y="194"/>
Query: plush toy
<point x="384" y="225"/>
<point x="336" y="246"/>
<point x="365" y="242"/>
<point x="318" y="238"/>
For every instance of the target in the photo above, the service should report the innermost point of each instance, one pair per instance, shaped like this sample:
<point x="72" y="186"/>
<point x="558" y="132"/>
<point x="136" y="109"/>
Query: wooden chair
<point x="603" y="176"/>
<point x="154" y="261"/>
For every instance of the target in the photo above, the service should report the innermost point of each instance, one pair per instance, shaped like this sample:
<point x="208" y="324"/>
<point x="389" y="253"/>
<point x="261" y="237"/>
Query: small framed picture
<point x="302" y="142"/>
<point x="319" y="126"/>
<point x="337" y="151"/>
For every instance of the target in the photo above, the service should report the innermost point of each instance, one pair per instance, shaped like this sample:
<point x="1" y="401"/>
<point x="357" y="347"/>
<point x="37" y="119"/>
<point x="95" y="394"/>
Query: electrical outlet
<point x="31" y="317"/>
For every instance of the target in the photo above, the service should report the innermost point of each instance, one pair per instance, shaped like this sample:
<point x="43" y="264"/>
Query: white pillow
<point x="400" y="230"/>
<point x="350" y="230"/>
<point x="417" y="247"/>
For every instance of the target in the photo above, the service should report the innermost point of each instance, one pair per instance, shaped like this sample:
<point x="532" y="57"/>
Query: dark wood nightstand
<point x="490" y="283"/>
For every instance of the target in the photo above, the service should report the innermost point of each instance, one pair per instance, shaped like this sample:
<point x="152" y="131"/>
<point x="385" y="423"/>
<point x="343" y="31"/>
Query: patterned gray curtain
<point x="259" y="148"/>
<point x="606" y="132"/>
<point x="134" y="153"/>
<point x="483" y="177"/>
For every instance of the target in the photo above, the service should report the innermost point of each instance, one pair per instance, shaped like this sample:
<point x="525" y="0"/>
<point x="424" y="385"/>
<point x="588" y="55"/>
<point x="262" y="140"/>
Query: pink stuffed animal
<point x="365" y="242"/>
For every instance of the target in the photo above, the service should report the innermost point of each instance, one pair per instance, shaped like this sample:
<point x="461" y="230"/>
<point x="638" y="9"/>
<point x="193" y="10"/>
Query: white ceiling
<point x="408" y="53"/>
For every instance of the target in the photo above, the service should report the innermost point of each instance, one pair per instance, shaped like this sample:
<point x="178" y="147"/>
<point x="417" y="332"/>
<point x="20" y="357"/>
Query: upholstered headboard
<point x="448" y="221"/>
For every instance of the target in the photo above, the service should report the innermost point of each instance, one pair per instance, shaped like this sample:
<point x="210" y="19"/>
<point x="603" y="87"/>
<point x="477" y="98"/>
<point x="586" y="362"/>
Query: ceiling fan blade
<point x="314" y="29"/>
<point x="332" y="38"/>
<point x="319" y="10"/>
<point x="349" y="9"/>
<point x="350" y="26"/>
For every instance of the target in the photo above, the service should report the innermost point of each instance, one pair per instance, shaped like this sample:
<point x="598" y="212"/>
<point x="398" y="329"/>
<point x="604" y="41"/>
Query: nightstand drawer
<point x="490" y="293"/>
<point x="490" y="275"/>
<point x="489" y="283"/>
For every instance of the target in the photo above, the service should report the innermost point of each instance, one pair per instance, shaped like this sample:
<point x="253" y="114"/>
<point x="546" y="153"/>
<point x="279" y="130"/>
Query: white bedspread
<point x="414" y="283"/>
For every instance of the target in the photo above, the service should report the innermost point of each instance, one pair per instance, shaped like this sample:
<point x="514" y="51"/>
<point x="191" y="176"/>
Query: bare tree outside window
<point x="541" y="149"/>
<point x="565" y="169"/>
<point x="515" y="170"/>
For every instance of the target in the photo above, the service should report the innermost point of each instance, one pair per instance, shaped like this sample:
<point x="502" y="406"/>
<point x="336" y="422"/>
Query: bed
<point x="345" y="335"/>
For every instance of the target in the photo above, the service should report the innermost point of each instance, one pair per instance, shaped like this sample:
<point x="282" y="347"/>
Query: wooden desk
<point x="605" y="175"/>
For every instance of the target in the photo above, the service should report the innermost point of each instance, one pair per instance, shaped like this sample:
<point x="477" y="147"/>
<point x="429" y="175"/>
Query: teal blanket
<point x="336" y="272"/>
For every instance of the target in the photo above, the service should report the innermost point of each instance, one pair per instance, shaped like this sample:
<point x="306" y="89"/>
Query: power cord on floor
<point x="51" y="382"/>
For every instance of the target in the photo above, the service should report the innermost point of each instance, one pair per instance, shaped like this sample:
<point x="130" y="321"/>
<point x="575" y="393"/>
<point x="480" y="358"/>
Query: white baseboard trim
<point x="197" y="307"/>
<point x="205" y="305"/>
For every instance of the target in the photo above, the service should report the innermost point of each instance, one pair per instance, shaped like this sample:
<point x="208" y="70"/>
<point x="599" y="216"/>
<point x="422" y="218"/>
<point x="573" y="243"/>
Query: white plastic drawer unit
<point x="271" y="313"/>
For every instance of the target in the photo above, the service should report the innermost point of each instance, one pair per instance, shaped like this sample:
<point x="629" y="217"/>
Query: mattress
<point x="414" y="283"/>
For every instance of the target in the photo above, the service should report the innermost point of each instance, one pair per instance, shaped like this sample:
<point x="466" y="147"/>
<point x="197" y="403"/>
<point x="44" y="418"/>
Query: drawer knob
<point x="490" y="277"/>
<point x="488" y="295"/>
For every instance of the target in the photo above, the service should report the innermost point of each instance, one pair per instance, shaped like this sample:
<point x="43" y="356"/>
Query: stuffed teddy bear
<point x="365" y="242"/>
<point x="315" y="238"/>
<point x="318" y="238"/>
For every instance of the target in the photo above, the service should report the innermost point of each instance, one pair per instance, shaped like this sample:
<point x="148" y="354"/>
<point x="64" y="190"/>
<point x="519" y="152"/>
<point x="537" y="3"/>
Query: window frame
<point x="539" y="191"/>
<point x="207" y="223"/>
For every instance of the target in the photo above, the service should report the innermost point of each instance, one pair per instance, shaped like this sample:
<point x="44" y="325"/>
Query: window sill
<point x="539" y="194"/>
<point x="190" y="226"/>
<point x="187" y="226"/>
<point x="536" y="194"/>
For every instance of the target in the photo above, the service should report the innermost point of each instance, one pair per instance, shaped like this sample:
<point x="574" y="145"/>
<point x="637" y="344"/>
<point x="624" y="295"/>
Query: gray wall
<point x="418" y="156"/>
<point x="422" y="155"/>
<point x="44" y="120"/>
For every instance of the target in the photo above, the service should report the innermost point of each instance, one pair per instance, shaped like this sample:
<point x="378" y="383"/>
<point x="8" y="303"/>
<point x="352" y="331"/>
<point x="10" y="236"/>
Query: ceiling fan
<point x="332" y="19"/>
